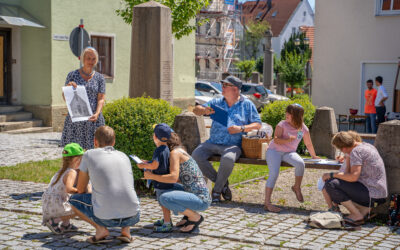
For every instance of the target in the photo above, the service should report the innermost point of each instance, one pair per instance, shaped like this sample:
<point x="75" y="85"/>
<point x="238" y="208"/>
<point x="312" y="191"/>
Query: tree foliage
<point x="302" y="49"/>
<point x="182" y="13"/>
<point x="254" y="32"/>
<point x="247" y="67"/>
<point x="292" y="70"/>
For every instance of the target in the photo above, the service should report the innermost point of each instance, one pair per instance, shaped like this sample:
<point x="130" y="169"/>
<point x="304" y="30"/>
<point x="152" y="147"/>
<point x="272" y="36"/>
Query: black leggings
<point x="341" y="191"/>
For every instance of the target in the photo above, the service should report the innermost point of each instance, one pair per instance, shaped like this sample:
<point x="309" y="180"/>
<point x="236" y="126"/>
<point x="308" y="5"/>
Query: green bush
<point x="275" y="112"/>
<point x="133" y="119"/>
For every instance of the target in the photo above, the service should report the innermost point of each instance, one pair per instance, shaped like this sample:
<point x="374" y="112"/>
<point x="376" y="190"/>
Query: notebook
<point x="220" y="115"/>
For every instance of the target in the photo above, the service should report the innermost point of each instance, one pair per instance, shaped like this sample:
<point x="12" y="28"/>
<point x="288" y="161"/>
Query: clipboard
<point x="136" y="159"/>
<point x="220" y="115"/>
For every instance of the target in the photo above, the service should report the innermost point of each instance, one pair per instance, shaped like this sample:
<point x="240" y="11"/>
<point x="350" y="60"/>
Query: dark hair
<point x="65" y="165"/>
<point x="379" y="79"/>
<point x="174" y="142"/>
<point x="297" y="113"/>
<point x="105" y="136"/>
<point x="370" y="81"/>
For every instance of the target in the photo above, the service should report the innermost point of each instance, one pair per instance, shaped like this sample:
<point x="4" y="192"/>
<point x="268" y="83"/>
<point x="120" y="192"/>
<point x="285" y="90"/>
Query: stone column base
<point x="52" y="116"/>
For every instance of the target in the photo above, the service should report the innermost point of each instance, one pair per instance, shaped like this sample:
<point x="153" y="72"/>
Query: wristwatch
<point x="242" y="128"/>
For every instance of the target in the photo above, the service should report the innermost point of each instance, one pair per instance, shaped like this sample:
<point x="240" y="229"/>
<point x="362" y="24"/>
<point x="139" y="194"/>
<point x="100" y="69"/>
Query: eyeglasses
<point x="225" y="85"/>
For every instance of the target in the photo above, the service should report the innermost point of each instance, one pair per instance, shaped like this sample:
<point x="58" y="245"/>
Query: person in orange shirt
<point x="369" y="110"/>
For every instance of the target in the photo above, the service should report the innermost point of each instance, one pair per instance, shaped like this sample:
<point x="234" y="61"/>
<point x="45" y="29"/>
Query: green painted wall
<point x="36" y="55"/>
<point x="99" y="18"/>
<point x="184" y="66"/>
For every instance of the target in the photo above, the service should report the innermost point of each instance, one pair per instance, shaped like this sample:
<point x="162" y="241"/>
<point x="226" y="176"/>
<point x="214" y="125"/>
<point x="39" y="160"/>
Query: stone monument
<point x="191" y="129"/>
<point x="268" y="61"/>
<point x="151" y="52"/>
<point x="322" y="130"/>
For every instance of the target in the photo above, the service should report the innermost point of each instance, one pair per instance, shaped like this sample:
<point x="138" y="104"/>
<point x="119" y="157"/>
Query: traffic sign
<point x="78" y="40"/>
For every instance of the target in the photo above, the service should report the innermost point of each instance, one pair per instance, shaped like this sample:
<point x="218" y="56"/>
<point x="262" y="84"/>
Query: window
<point x="104" y="46"/>
<point x="217" y="64"/>
<point x="217" y="28"/>
<point x="207" y="64"/>
<point x="387" y="7"/>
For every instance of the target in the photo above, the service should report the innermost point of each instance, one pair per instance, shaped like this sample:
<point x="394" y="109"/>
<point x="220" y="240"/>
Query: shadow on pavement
<point x="27" y="196"/>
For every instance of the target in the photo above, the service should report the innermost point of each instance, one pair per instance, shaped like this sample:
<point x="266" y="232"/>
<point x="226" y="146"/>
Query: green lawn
<point x="42" y="171"/>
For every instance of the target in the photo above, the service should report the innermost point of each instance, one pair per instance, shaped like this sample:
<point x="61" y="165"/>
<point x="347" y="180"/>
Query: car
<point x="201" y="98"/>
<point x="207" y="89"/>
<point x="256" y="93"/>
<point x="274" y="97"/>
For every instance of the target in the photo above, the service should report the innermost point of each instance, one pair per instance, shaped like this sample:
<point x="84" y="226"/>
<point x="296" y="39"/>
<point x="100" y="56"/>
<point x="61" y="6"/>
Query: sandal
<point x="334" y="209"/>
<point x="370" y="216"/>
<point x="195" y="223"/>
<point x="160" y="222"/>
<point x="352" y="222"/>
<point x="69" y="228"/>
<point x="53" y="226"/>
<point x="125" y="239"/>
<point x="164" y="228"/>
<point x="299" y="195"/>
<point x="183" y="224"/>
<point x="93" y="240"/>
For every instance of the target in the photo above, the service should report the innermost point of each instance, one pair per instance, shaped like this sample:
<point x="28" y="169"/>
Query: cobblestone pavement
<point x="18" y="148"/>
<point x="226" y="226"/>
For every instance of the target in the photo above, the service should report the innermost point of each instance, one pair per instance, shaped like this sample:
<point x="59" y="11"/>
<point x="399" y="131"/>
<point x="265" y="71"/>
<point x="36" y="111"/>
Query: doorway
<point x="5" y="66"/>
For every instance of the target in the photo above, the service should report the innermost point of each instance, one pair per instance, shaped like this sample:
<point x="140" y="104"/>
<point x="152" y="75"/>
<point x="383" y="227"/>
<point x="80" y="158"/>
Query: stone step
<point x="16" y="116"/>
<point x="30" y="130"/>
<point x="10" y="109"/>
<point x="7" y="126"/>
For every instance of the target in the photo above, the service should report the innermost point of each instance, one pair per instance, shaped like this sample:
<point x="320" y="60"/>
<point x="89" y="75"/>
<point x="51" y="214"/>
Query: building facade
<point x="354" y="41"/>
<point x="38" y="55"/>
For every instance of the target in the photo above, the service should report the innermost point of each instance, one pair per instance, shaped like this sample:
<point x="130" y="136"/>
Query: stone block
<point x="387" y="143"/>
<point x="322" y="130"/>
<point x="151" y="52"/>
<point x="255" y="77"/>
<point x="191" y="129"/>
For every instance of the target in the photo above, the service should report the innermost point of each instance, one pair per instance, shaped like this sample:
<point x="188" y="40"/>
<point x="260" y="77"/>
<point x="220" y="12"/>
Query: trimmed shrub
<point x="275" y="112"/>
<point x="133" y="120"/>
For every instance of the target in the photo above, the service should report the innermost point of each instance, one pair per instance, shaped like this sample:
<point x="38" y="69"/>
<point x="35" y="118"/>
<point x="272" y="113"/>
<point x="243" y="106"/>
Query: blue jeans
<point x="179" y="201"/>
<point x="371" y="123"/>
<point x="159" y="192"/>
<point x="83" y="202"/>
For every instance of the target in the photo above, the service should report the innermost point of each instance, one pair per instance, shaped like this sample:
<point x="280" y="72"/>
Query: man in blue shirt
<point x="225" y="140"/>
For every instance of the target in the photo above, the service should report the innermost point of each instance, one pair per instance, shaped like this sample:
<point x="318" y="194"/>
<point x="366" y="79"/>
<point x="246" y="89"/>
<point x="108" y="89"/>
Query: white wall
<point x="348" y="34"/>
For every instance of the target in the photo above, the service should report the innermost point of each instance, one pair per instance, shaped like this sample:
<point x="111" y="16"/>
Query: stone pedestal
<point x="322" y="130"/>
<point x="268" y="70"/>
<point x="280" y="86"/>
<point x="151" y="52"/>
<point x="255" y="77"/>
<point x="191" y="129"/>
<point x="387" y="143"/>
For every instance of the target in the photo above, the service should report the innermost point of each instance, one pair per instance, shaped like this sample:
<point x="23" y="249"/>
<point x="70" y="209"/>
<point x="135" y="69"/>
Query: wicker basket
<point x="251" y="147"/>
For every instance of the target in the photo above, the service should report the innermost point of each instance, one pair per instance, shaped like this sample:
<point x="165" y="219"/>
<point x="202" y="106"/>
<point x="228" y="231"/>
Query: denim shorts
<point x="83" y="202"/>
<point x="178" y="201"/>
<point x="159" y="192"/>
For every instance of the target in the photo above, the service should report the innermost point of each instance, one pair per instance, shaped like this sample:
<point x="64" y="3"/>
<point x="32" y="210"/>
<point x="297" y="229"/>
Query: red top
<point x="370" y="96"/>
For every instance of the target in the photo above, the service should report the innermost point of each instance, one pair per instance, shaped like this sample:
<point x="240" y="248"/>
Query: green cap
<point x="72" y="149"/>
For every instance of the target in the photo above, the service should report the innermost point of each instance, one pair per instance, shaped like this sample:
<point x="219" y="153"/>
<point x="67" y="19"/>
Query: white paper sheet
<point x="78" y="103"/>
<point x="136" y="159"/>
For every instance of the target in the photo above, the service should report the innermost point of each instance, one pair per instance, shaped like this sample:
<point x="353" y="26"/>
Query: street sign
<point x="230" y="2"/>
<point x="78" y="40"/>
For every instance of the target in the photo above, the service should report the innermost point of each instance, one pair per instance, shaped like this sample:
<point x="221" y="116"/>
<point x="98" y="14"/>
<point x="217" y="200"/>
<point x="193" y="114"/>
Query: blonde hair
<point x="345" y="139"/>
<point x="105" y="136"/>
<point x="67" y="161"/>
<point x="89" y="49"/>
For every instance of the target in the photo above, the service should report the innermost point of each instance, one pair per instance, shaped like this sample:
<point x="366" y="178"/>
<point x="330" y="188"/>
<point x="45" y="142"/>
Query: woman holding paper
<point x="83" y="132"/>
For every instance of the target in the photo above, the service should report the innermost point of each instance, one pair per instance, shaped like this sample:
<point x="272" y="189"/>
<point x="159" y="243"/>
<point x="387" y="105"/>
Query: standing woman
<point x="83" y="132"/>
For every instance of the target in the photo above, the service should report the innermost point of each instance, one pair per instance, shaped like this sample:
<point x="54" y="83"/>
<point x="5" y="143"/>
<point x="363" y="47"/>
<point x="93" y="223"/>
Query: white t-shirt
<point x="110" y="173"/>
<point x="381" y="94"/>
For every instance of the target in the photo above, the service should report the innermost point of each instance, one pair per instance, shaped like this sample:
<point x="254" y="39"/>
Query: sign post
<point x="78" y="40"/>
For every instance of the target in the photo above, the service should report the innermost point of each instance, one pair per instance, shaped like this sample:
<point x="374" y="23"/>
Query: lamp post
<point x="268" y="70"/>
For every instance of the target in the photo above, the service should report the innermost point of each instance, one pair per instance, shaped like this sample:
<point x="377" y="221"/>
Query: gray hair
<point x="91" y="49"/>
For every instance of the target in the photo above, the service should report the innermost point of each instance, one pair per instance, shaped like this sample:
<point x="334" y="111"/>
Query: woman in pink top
<point x="288" y="134"/>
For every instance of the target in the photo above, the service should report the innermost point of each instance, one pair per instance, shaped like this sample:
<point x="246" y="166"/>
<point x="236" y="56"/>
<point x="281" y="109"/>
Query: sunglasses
<point x="225" y="85"/>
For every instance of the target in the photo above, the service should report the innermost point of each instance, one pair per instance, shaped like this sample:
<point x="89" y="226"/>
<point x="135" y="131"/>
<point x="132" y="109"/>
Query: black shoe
<point x="226" y="192"/>
<point x="216" y="197"/>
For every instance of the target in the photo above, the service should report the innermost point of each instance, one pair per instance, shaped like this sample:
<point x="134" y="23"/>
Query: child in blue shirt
<point x="160" y="165"/>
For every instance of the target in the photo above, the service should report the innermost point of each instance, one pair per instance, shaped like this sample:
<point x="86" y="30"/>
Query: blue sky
<point x="312" y="2"/>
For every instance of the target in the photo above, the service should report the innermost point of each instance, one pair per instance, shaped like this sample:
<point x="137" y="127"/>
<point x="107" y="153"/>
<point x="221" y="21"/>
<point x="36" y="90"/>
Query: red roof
<point x="277" y="16"/>
<point x="309" y="30"/>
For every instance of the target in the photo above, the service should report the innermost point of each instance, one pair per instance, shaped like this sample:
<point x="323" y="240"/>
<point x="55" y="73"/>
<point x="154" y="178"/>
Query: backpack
<point x="326" y="220"/>
<point x="394" y="213"/>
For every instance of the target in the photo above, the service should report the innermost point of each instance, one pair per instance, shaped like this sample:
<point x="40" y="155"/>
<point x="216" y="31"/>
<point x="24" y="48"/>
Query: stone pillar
<point x="281" y="86"/>
<point x="387" y="143"/>
<point x="191" y="129"/>
<point x="151" y="52"/>
<point x="268" y="70"/>
<point x="322" y="130"/>
<point x="255" y="77"/>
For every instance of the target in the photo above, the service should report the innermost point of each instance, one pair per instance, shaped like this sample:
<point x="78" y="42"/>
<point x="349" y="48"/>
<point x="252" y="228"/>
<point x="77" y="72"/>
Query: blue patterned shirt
<point x="241" y="113"/>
